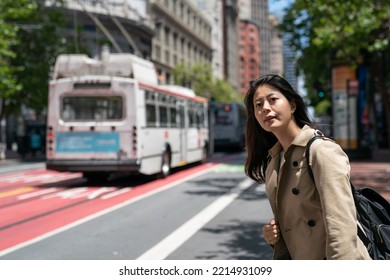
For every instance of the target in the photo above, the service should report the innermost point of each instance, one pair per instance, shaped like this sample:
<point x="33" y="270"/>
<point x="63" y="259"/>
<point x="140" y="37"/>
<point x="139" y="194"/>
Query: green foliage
<point x="200" y="78"/>
<point x="39" y="44"/>
<point x="327" y="31"/>
<point x="10" y="11"/>
<point x="323" y="107"/>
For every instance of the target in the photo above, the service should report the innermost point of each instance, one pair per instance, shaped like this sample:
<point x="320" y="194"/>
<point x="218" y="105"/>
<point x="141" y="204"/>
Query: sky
<point x="276" y="7"/>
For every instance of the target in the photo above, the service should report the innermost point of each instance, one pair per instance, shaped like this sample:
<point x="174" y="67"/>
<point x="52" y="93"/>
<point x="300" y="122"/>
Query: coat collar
<point x="300" y="140"/>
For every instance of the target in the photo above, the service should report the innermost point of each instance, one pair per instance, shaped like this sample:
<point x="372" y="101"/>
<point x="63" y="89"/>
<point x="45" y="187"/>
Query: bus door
<point x="183" y="132"/>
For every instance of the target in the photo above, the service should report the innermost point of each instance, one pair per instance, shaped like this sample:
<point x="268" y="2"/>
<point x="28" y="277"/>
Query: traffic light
<point x="319" y="89"/>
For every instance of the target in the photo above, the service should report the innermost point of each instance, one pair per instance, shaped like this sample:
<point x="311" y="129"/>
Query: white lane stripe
<point x="103" y="212"/>
<point x="115" y="193"/>
<point x="37" y="193"/>
<point x="100" y="191"/>
<point x="173" y="241"/>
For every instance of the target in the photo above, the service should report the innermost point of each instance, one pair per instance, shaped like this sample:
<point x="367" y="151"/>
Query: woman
<point x="311" y="221"/>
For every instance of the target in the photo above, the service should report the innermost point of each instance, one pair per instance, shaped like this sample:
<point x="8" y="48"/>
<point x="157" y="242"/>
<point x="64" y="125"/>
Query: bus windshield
<point x="223" y="115"/>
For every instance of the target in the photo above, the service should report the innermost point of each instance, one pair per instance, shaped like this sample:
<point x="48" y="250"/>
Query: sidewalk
<point x="13" y="158"/>
<point x="373" y="173"/>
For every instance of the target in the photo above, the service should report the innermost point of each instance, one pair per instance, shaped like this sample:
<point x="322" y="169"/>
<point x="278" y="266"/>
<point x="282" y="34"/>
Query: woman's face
<point x="272" y="109"/>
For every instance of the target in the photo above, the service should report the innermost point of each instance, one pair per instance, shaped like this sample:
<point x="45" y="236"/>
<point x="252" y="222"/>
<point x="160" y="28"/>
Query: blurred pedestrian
<point x="311" y="221"/>
<point x="35" y="142"/>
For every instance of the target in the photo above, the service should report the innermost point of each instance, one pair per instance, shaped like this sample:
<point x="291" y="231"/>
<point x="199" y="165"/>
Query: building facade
<point x="257" y="11"/>
<point x="276" y="53"/>
<point x="212" y="10"/>
<point x="289" y="61"/>
<point x="249" y="54"/>
<point x="167" y="32"/>
<point x="94" y="23"/>
<point x="182" y="35"/>
<point x="231" y="41"/>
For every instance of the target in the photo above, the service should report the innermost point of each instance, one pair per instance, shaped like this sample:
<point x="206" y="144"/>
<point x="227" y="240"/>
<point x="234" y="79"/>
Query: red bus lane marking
<point x="17" y="213"/>
<point x="79" y="210"/>
<point x="18" y="191"/>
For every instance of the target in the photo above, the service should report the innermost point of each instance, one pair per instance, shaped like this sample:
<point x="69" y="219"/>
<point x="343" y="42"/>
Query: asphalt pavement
<point x="374" y="172"/>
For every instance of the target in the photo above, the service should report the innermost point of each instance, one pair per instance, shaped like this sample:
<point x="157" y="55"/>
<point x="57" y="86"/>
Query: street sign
<point x="353" y="87"/>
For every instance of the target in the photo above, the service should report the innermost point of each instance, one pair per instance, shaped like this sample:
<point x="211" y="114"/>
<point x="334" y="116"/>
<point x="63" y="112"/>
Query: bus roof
<point x="117" y="64"/>
<point x="182" y="90"/>
<point x="177" y="91"/>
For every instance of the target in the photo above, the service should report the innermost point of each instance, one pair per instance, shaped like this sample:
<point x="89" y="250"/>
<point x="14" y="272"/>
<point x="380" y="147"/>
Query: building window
<point x="167" y="35"/>
<point x="158" y="52"/>
<point x="183" y="45"/>
<point x="167" y="57"/>
<point x="175" y="41"/>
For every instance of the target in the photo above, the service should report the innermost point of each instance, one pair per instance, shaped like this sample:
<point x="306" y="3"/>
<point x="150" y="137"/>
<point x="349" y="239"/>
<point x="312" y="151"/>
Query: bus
<point x="229" y="125"/>
<point x="111" y="115"/>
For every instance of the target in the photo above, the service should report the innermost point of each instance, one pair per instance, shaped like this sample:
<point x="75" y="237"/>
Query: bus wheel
<point x="165" y="165"/>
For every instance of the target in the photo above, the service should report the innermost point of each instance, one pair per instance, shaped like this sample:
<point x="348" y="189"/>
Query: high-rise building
<point x="212" y="10"/>
<point x="231" y="41"/>
<point x="257" y="11"/>
<point x="289" y="62"/>
<point x="249" y="54"/>
<point x="276" y="48"/>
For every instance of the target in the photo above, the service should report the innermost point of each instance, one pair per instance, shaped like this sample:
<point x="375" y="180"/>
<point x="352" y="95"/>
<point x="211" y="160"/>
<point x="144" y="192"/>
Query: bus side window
<point x="191" y="117"/>
<point x="151" y="115"/>
<point x="173" y="116"/>
<point x="200" y="116"/>
<point x="163" y="116"/>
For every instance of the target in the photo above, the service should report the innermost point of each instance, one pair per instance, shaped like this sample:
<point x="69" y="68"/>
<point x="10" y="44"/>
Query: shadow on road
<point x="245" y="243"/>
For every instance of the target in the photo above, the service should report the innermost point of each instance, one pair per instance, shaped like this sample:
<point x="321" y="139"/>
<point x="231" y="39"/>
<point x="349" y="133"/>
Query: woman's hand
<point x="271" y="232"/>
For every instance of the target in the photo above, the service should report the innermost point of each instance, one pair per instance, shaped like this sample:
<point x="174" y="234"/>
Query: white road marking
<point x="115" y="193"/>
<point x="260" y="188"/>
<point x="100" y="191"/>
<point x="173" y="241"/>
<point x="69" y="194"/>
<point x="101" y="213"/>
<point x="34" y="194"/>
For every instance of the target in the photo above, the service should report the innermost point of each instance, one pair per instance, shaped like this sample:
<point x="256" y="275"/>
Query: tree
<point x="349" y="31"/>
<point x="10" y="12"/>
<point x="39" y="45"/>
<point x="200" y="78"/>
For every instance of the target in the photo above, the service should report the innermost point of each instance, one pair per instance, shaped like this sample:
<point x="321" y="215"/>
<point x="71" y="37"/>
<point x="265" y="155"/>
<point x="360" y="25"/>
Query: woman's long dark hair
<point x="257" y="140"/>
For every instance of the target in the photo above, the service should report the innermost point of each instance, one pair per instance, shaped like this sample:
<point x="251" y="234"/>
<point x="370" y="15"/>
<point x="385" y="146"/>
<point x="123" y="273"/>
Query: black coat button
<point x="311" y="223"/>
<point x="295" y="191"/>
<point x="295" y="163"/>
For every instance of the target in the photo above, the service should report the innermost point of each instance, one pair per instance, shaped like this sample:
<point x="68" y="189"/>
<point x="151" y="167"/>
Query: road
<point x="208" y="211"/>
<point x="201" y="212"/>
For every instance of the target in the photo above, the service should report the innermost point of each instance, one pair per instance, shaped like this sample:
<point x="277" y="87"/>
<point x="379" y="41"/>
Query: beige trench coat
<point x="317" y="221"/>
